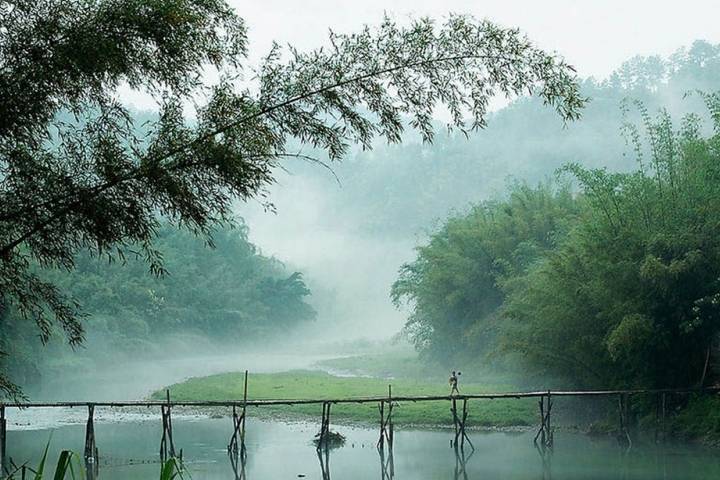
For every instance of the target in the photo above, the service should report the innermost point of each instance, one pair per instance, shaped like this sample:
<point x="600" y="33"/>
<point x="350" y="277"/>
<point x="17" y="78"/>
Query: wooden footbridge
<point x="459" y="408"/>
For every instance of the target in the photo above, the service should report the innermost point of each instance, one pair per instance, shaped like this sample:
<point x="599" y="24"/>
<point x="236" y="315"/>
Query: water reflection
<point x="237" y="462"/>
<point x="129" y="451"/>
<point x="387" y="465"/>
<point x="324" y="458"/>
<point x="545" y="455"/>
<point x="461" y="462"/>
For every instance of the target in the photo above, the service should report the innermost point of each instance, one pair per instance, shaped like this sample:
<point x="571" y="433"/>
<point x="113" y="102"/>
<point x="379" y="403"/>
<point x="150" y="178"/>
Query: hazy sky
<point x="594" y="35"/>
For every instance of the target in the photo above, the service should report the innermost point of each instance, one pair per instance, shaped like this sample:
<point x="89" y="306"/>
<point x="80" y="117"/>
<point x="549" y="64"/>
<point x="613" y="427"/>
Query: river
<point x="277" y="450"/>
<point x="128" y="444"/>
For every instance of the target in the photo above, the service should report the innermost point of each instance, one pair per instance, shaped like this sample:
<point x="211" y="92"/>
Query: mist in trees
<point x="230" y="295"/>
<point x="391" y="198"/>
<point x="614" y="284"/>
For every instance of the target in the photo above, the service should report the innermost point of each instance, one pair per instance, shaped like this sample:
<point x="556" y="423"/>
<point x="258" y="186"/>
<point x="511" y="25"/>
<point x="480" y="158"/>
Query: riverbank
<point x="692" y="418"/>
<point x="301" y="384"/>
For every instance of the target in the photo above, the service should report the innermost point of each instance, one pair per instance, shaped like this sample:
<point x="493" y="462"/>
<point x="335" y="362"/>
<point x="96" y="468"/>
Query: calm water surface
<point x="129" y="449"/>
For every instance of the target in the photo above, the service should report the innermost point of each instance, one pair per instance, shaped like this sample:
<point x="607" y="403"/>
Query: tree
<point x="631" y="296"/>
<point x="455" y="287"/>
<point x="98" y="182"/>
<point x="229" y="295"/>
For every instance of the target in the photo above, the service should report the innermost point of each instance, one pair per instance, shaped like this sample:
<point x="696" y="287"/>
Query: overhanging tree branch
<point x="141" y="171"/>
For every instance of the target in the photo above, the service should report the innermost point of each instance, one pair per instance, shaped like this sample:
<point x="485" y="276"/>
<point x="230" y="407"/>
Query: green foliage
<point x="230" y="291"/>
<point x="102" y="184"/>
<point x="618" y="286"/>
<point x="456" y="285"/>
<point x="69" y="463"/>
<point x="630" y="298"/>
<point x="228" y="294"/>
<point x="172" y="469"/>
<point x="700" y="418"/>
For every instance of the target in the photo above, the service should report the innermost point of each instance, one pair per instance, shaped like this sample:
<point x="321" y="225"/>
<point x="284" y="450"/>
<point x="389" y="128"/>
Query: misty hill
<point x="403" y="189"/>
<point x="353" y="238"/>
<point x="230" y="294"/>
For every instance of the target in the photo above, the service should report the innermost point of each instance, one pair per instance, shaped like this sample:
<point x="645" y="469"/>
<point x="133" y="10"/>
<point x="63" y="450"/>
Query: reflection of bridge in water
<point x="459" y="408"/>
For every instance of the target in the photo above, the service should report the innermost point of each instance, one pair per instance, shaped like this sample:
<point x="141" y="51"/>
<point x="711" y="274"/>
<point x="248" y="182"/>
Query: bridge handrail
<point x="370" y="399"/>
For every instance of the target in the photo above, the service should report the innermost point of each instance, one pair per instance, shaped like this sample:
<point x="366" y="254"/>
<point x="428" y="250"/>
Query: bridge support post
<point x="238" y="466"/>
<point x="459" y="422"/>
<point x="545" y="433"/>
<point x="624" y="414"/>
<point x="238" y="456"/>
<point x="464" y="435"/>
<point x="167" y="445"/>
<point x="453" y="410"/>
<point x="386" y="422"/>
<point x="663" y="409"/>
<point x="91" y="451"/>
<point x="461" y="463"/>
<point x="238" y="436"/>
<point x="237" y="441"/>
<point x="324" y="435"/>
<point x="324" y="458"/>
<point x="3" y="443"/>
<point x="550" y="431"/>
<point x="658" y="407"/>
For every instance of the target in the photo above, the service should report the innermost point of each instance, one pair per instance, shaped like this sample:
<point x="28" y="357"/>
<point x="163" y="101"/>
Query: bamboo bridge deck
<point x="369" y="399"/>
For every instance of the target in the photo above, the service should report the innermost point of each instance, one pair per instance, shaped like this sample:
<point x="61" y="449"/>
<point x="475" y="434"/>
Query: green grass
<point x="320" y="385"/>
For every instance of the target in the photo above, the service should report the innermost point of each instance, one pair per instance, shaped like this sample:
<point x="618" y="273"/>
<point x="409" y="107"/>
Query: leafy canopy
<point x="101" y="183"/>
<point x="615" y="286"/>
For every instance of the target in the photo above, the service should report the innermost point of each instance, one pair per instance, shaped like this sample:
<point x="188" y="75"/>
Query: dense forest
<point x="227" y="294"/>
<point x="602" y="278"/>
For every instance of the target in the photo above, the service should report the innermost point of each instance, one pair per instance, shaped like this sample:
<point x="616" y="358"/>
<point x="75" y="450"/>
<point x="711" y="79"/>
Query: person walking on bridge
<point x="454" y="382"/>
